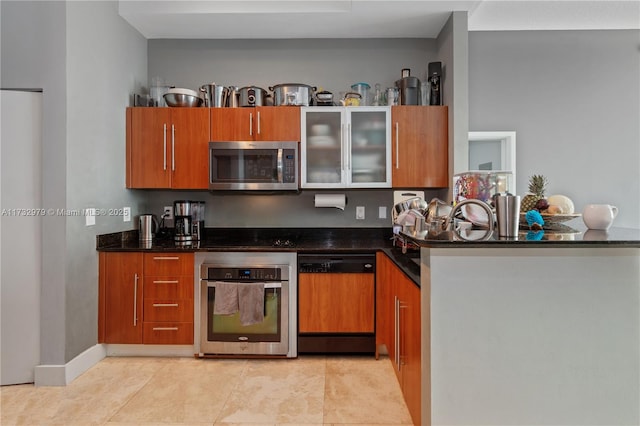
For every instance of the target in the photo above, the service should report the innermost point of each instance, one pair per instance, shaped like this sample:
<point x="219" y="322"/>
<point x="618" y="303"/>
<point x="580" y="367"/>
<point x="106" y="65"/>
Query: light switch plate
<point x="126" y="214"/>
<point x="90" y="216"/>
<point x="382" y="212"/>
<point x="360" y="212"/>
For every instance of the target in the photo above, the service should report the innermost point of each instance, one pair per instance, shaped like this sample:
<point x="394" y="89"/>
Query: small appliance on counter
<point x="182" y="210"/>
<point x="148" y="227"/>
<point x="197" y="218"/>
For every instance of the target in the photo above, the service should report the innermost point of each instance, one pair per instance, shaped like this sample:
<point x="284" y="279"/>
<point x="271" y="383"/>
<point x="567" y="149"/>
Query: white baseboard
<point x="62" y="375"/>
<point x="151" y="350"/>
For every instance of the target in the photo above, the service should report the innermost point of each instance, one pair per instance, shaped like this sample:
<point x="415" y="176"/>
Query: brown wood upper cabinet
<point x="280" y="123"/>
<point x="168" y="148"/>
<point x="420" y="150"/>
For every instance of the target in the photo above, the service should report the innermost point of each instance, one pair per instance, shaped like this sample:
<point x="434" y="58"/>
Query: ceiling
<point x="247" y="19"/>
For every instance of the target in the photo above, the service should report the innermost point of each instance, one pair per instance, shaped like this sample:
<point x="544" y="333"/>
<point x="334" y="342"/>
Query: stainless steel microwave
<point x="249" y="166"/>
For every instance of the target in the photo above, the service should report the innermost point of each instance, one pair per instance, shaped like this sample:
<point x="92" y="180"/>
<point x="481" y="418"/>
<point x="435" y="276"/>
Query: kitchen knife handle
<point x="173" y="148"/>
<point x="397" y="146"/>
<point x="135" y="300"/>
<point x="250" y="124"/>
<point x="164" y="155"/>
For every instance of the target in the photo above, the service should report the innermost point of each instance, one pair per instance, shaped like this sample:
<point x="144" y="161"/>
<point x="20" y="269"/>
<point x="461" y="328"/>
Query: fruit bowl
<point x="552" y="218"/>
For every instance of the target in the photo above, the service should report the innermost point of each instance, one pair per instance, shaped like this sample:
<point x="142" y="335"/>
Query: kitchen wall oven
<point x="248" y="305"/>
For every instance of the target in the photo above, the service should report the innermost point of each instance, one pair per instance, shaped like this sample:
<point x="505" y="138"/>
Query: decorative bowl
<point x="182" y="98"/>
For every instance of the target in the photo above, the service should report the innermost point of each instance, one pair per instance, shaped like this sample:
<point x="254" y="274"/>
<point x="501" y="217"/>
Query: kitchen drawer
<point x="168" y="310"/>
<point x="172" y="288"/>
<point x="168" y="333"/>
<point x="168" y="264"/>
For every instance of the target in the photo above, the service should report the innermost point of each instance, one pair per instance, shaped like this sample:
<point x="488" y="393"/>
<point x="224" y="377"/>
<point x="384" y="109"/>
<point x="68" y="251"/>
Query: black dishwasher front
<point x="336" y="303"/>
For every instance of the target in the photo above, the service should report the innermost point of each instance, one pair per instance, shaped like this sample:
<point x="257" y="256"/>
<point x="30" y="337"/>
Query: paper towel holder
<point x="337" y="201"/>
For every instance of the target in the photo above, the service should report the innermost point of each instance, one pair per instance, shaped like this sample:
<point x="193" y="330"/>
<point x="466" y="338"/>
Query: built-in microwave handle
<point x="266" y="284"/>
<point x="280" y="165"/>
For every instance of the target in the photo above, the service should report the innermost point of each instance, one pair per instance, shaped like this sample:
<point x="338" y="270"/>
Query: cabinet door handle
<point x="173" y="148"/>
<point x="165" y="305"/>
<point x="342" y="141"/>
<point x="164" y="144"/>
<point x="400" y="356"/>
<point x="349" y="151"/>
<point x="135" y="300"/>
<point x="165" y="281"/>
<point x="250" y="124"/>
<point x="258" y="122"/>
<point x="397" y="146"/>
<point x="166" y="258"/>
<point x="165" y="328"/>
<point x="396" y="324"/>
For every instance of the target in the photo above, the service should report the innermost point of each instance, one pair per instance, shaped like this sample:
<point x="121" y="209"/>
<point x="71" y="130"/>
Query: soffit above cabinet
<point x="283" y="19"/>
<point x="253" y="19"/>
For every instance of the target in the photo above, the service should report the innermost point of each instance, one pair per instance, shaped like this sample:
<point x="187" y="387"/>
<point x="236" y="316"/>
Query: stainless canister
<point x="148" y="225"/>
<point x="507" y="215"/>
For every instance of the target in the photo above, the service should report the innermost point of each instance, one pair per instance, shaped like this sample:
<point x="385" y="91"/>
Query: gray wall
<point x="573" y="97"/>
<point x="87" y="60"/>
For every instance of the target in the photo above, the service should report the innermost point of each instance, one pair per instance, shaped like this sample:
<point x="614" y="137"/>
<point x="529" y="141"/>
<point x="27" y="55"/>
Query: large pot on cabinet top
<point x="292" y="94"/>
<point x="253" y="96"/>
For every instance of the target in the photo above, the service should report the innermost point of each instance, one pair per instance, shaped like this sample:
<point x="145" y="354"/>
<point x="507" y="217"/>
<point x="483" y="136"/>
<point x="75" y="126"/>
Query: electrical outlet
<point x="382" y="212"/>
<point x="126" y="214"/>
<point x="360" y="212"/>
<point x="168" y="213"/>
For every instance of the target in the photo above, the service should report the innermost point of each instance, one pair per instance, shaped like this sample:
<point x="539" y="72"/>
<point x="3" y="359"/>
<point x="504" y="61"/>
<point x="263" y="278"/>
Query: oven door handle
<point x="266" y="284"/>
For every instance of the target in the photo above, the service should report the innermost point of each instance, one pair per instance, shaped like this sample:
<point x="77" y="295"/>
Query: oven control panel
<point x="244" y="274"/>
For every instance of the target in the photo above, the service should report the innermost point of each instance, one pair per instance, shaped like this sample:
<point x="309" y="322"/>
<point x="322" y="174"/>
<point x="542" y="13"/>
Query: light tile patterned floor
<point x="310" y="390"/>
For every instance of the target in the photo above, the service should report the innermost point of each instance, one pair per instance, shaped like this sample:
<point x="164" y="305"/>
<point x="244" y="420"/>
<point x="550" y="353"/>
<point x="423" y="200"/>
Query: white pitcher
<point x="599" y="216"/>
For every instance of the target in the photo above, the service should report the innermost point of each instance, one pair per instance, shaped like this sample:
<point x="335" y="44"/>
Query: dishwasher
<point x="336" y="303"/>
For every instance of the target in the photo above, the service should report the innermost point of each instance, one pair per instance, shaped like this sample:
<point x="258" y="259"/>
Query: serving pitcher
<point x="599" y="216"/>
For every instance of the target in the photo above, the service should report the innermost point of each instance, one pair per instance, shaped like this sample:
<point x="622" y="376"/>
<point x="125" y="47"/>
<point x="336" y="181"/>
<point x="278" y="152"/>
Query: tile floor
<point x="309" y="390"/>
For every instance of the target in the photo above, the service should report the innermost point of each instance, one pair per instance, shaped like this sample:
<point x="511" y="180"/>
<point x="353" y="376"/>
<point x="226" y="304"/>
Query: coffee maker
<point x="183" y="222"/>
<point x="197" y="218"/>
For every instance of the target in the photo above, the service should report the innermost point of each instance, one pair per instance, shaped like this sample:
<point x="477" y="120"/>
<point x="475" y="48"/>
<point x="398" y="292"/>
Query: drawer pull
<point x="165" y="305"/>
<point x="165" y="328"/>
<point x="166" y="258"/>
<point x="166" y="281"/>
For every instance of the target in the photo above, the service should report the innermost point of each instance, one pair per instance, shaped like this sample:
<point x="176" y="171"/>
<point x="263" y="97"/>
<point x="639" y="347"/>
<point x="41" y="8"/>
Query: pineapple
<point x="537" y="187"/>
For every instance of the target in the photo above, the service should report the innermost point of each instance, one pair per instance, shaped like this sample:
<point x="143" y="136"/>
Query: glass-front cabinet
<point x="346" y="147"/>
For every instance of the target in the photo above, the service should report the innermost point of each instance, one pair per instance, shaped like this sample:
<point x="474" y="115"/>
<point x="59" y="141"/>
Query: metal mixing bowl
<point x="182" y="100"/>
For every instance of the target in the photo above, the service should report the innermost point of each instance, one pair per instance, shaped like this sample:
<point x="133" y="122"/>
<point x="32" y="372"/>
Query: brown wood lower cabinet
<point x="146" y="298"/>
<point x="398" y="327"/>
<point x="120" y="298"/>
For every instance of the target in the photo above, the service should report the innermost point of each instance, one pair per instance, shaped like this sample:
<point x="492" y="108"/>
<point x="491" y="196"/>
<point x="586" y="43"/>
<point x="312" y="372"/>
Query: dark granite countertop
<point x="565" y="236"/>
<point x="259" y="239"/>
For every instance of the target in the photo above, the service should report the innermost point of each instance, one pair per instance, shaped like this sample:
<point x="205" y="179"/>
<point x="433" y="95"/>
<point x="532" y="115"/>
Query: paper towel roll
<point x="331" y="200"/>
